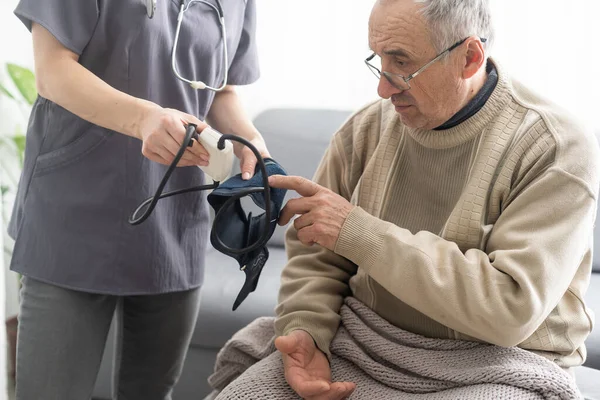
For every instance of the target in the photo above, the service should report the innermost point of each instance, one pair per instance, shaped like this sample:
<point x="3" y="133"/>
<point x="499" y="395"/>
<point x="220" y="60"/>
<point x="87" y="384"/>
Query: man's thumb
<point x="286" y="344"/>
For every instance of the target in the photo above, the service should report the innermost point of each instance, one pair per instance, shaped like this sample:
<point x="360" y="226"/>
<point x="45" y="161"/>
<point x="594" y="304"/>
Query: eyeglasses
<point x="401" y="82"/>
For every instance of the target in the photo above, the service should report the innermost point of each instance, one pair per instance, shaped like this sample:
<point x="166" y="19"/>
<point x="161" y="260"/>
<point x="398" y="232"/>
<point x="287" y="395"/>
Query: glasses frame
<point x="390" y="77"/>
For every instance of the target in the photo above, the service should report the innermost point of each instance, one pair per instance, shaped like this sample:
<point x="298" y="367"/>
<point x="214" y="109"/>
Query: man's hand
<point x="307" y="369"/>
<point x="247" y="158"/>
<point x="323" y="211"/>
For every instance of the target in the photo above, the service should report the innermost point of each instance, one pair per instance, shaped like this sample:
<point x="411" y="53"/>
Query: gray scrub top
<point x="81" y="182"/>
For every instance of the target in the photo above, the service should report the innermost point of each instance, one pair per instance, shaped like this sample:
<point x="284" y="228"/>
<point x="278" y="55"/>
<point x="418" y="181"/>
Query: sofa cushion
<point x="596" y="253"/>
<point x="592" y="299"/>
<point x="222" y="282"/>
<point x="587" y="381"/>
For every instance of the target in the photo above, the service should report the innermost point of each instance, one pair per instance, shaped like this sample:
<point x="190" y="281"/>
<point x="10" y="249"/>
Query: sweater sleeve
<point x="315" y="280"/>
<point x="500" y="295"/>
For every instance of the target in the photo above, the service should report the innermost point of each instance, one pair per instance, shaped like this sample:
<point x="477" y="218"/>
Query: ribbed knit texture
<point x="436" y="178"/>
<point x="426" y="184"/>
<point x="386" y="362"/>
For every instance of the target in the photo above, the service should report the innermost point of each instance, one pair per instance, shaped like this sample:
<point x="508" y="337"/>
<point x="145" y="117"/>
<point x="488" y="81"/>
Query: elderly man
<point x="460" y="206"/>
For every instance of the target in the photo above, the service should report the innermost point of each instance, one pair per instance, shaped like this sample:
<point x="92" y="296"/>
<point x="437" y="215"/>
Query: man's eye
<point x="400" y="63"/>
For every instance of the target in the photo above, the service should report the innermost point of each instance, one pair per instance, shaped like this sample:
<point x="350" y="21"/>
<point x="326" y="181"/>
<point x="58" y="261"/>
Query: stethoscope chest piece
<point x="150" y="7"/>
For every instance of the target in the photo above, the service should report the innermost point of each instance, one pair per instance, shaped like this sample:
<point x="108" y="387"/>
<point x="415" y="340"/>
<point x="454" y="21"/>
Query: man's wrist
<point x="322" y="347"/>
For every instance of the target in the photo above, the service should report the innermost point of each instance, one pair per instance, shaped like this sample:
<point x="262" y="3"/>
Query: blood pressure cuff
<point x="233" y="230"/>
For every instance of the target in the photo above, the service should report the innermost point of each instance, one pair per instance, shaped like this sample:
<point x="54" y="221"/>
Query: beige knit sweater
<point x="479" y="232"/>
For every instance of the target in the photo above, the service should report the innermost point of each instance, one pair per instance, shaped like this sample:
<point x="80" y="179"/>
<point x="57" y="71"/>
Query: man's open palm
<point x="307" y="369"/>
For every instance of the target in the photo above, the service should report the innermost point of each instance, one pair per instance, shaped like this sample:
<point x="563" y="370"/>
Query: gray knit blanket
<point x="386" y="362"/>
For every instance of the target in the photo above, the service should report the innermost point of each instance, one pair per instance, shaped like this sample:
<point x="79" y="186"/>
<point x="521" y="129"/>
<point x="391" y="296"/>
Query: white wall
<point x="311" y="55"/>
<point x="312" y="52"/>
<point x="16" y="48"/>
<point x="553" y="46"/>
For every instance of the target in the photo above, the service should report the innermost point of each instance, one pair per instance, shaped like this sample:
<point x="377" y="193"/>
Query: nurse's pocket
<point x="75" y="151"/>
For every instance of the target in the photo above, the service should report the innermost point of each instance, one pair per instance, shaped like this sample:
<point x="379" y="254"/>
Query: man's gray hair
<point x="451" y="21"/>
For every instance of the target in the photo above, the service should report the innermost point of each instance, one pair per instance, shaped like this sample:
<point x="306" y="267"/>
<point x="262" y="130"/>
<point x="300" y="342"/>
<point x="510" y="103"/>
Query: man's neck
<point x="481" y="87"/>
<point x="477" y="83"/>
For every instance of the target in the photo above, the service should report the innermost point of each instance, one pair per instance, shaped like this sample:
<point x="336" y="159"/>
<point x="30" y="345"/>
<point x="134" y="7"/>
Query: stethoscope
<point x="151" y="9"/>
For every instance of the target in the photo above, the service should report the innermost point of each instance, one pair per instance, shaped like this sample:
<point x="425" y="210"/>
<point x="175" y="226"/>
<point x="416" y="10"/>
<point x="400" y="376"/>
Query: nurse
<point x="110" y="116"/>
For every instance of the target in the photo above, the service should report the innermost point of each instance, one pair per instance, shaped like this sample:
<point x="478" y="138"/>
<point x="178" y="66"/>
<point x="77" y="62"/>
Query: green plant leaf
<point x="24" y="80"/>
<point x="6" y="92"/>
<point x="20" y="142"/>
<point x="3" y="190"/>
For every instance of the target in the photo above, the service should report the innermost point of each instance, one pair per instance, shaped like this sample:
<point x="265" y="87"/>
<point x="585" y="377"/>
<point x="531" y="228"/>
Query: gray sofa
<point x="297" y="138"/>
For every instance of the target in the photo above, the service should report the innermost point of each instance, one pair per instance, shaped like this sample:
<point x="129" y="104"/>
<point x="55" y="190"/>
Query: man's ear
<point x="473" y="58"/>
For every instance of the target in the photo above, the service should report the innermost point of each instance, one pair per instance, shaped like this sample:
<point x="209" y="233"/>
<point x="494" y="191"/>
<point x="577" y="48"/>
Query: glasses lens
<point x="398" y="81"/>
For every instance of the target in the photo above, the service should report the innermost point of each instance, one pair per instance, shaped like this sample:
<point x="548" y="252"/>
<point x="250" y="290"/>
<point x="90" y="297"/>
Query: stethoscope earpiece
<point x="150" y="8"/>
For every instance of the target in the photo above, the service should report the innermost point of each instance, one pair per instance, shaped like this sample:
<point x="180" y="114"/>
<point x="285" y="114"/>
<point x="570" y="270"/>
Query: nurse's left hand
<point x="247" y="158"/>
<point x="322" y="211"/>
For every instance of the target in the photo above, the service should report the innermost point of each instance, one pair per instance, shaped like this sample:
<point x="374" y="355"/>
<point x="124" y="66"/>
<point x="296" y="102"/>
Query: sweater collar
<point x="472" y="126"/>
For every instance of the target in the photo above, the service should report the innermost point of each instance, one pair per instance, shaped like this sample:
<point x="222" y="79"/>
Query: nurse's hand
<point x="162" y="131"/>
<point x="247" y="158"/>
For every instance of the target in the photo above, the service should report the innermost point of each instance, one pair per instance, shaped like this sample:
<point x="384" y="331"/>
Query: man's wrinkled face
<point x="399" y="36"/>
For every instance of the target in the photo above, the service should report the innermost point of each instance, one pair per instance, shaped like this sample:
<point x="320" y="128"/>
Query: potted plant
<point x="12" y="149"/>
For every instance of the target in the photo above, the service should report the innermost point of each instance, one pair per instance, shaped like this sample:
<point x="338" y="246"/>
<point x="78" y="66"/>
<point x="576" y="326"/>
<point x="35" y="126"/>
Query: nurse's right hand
<point x="162" y="131"/>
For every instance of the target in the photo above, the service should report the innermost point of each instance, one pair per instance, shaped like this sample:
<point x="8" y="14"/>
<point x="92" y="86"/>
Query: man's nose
<point x="385" y="89"/>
